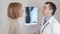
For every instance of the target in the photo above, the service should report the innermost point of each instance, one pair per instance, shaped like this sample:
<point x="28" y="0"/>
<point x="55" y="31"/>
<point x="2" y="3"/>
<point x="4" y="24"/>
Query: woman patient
<point x="14" y="13"/>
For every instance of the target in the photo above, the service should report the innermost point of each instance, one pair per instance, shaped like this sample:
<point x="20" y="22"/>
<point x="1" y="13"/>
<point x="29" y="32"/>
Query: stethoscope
<point x="45" y="26"/>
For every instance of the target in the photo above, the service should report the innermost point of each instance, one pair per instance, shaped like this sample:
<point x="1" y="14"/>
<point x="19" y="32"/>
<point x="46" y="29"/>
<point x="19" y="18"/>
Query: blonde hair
<point x="14" y="10"/>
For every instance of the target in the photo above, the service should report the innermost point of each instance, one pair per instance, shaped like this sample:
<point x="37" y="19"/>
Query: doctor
<point x="49" y="25"/>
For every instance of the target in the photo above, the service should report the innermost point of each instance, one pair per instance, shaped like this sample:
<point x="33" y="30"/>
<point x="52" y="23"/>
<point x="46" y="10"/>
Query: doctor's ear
<point x="51" y="11"/>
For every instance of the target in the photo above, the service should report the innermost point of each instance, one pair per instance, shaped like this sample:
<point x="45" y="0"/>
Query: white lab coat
<point x="52" y="26"/>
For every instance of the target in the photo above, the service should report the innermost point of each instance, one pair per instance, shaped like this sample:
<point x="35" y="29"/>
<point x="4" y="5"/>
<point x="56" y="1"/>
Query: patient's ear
<point x="21" y="12"/>
<point x="35" y="32"/>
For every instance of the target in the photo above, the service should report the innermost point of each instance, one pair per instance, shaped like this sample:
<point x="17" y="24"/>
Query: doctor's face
<point x="46" y="11"/>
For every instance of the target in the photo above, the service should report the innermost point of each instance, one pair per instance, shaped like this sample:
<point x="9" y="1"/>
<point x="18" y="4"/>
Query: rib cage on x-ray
<point x="31" y="14"/>
<point x="27" y="15"/>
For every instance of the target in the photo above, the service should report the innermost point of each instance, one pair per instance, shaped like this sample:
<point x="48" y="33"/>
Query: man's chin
<point x="44" y="15"/>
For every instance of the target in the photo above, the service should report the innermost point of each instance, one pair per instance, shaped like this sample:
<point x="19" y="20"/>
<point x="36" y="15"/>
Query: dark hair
<point x="52" y="6"/>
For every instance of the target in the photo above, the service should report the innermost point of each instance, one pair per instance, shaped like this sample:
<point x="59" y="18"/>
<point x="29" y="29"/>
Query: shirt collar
<point x="47" y="18"/>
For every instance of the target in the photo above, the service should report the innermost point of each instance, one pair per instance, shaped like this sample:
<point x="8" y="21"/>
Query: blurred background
<point x="27" y="28"/>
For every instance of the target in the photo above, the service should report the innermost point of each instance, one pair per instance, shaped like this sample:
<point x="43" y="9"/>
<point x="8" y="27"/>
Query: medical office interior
<point x="30" y="27"/>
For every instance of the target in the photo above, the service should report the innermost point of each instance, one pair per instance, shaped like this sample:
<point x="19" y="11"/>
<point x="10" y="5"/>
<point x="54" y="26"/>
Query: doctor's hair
<point x="52" y="7"/>
<point x="14" y="10"/>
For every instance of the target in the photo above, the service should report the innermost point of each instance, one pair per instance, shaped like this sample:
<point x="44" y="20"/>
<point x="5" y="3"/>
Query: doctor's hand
<point x="35" y="32"/>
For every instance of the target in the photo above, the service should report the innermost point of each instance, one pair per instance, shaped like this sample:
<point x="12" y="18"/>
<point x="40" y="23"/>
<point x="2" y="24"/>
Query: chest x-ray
<point x="31" y="15"/>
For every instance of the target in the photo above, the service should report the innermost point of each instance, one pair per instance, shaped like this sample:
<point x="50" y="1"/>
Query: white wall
<point x="37" y="3"/>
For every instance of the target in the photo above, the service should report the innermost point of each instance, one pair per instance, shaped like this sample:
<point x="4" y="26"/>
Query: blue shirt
<point x="46" y="19"/>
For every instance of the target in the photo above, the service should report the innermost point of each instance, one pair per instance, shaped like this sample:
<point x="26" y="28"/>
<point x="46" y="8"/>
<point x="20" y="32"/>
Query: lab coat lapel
<point x="47" y="23"/>
<point x="43" y="27"/>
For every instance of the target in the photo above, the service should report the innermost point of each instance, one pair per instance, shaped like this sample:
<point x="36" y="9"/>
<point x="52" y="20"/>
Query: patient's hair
<point x="14" y="10"/>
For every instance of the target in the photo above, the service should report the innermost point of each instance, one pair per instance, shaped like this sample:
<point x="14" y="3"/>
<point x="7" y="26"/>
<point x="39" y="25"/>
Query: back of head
<point x="14" y="10"/>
